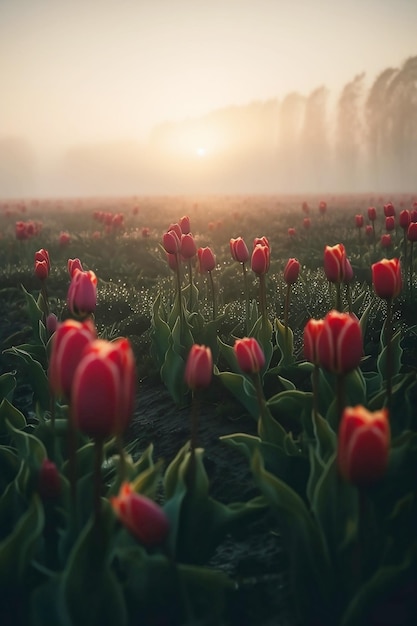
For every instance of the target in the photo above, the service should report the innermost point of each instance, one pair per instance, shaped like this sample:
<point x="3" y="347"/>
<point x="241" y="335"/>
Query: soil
<point x="254" y="559"/>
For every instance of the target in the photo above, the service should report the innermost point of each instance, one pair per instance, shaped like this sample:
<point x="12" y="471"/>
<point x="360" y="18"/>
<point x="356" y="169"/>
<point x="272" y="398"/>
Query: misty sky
<point x="93" y="70"/>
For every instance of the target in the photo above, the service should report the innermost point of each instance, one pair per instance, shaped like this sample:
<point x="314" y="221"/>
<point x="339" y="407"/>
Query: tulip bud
<point x="172" y="260"/>
<point x="64" y="239"/>
<point x="103" y="388"/>
<point x="372" y="213"/>
<point x="146" y="520"/>
<point x="43" y="255"/>
<point x="412" y="232"/>
<point x="348" y="273"/>
<point x="263" y="241"/>
<point x="363" y="445"/>
<point x="171" y="242"/>
<point x="239" y="250"/>
<point x="359" y="221"/>
<point x="82" y="293"/>
<point x="390" y="223"/>
<point x="386" y="241"/>
<point x="68" y="343"/>
<point x="206" y="260"/>
<point x="312" y="332"/>
<point x="389" y="210"/>
<point x="386" y="278"/>
<point x="339" y="345"/>
<point x="177" y="230"/>
<point x="199" y="367"/>
<point x="249" y="355"/>
<point x="72" y="265"/>
<point x="49" y="481"/>
<point x="260" y="259"/>
<point x="291" y="271"/>
<point x="185" y="225"/>
<point x="307" y="223"/>
<point x="41" y="270"/>
<point x="322" y="207"/>
<point x="334" y="262"/>
<point x="404" y="219"/>
<point x="291" y="232"/>
<point x="369" y="231"/>
<point x="51" y="323"/>
<point x="414" y="216"/>
<point x="187" y="246"/>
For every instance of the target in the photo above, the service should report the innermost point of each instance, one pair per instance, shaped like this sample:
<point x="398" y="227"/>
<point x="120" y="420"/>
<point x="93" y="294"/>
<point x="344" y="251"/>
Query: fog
<point x="363" y="138"/>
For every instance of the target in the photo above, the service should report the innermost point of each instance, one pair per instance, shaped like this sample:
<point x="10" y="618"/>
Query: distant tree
<point x="349" y="134"/>
<point x="377" y="120"/>
<point x="313" y="142"/>
<point x="291" y="114"/>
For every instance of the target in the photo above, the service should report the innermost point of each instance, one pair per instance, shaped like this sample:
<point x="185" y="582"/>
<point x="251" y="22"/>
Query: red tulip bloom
<point x="311" y="335"/>
<point x="145" y="519"/>
<point x="185" y="225"/>
<point x="49" y="481"/>
<point x="188" y="248"/>
<point x="340" y="345"/>
<point x="414" y="216"/>
<point x="348" y="272"/>
<point x="369" y="231"/>
<point x="386" y="278"/>
<point x="171" y="242"/>
<point x="412" y="232"/>
<point x="82" y="293"/>
<point x="260" y="259"/>
<point x="390" y="223"/>
<point x="359" y="221"/>
<point x="263" y="241"/>
<point x="249" y="355"/>
<point x="176" y="228"/>
<point x="334" y="262"/>
<point x="372" y="213"/>
<point x="239" y="250"/>
<point x="291" y="271"/>
<point x="386" y="241"/>
<point x="389" y="210"/>
<point x="72" y="265"/>
<point x="199" y="367"/>
<point x="363" y="445"/>
<point x="68" y="343"/>
<point x="322" y="207"/>
<point x="291" y="232"/>
<point x="206" y="260"/>
<point x="307" y="223"/>
<point x="172" y="260"/>
<point x="103" y="388"/>
<point x="404" y="219"/>
<point x="64" y="239"/>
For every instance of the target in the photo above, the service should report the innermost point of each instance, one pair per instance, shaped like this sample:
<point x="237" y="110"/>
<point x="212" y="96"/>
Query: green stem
<point x="98" y="461"/>
<point x="388" y="342"/>
<point x="349" y="297"/>
<point x="339" y="297"/>
<point x="213" y="295"/>
<point x="286" y="312"/>
<point x="246" y="287"/>
<point x="340" y="397"/>
<point x="262" y="300"/>
<point x="315" y="383"/>
<point x="411" y="261"/>
<point x="122" y="458"/>
<point x="190" y="275"/>
<point x="179" y="295"/>
<point x="72" y="467"/>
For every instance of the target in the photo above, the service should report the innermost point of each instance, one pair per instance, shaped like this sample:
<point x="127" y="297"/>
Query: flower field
<point x="208" y="411"/>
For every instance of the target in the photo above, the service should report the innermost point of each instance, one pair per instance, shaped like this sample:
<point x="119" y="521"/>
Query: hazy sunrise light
<point x="111" y="97"/>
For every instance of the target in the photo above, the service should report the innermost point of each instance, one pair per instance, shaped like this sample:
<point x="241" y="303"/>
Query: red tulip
<point x="72" y="265"/>
<point x="185" y="225"/>
<point x="43" y="255"/>
<point x="206" y="259"/>
<point x="363" y="445"/>
<point x="51" y="323"/>
<point x="172" y="260"/>
<point x="389" y="210"/>
<point x="369" y="231"/>
<point x="49" y="481"/>
<point x="334" y="262"/>
<point x="291" y="271"/>
<point x="171" y="242"/>
<point x="359" y="221"/>
<point x="372" y="213"/>
<point x="339" y="345"/>
<point x="386" y="278"/>
<point x="404" y="219"/>
<point x="68" y="342"/>
<point x="249" y="355"/>
<point x="146" y="520"/>
<point x="390" y="223"/>
<point x="176" y="228"/>
<point x="312" y="332"/>
<point x="188" y="248"/>
<point x="412" y="232"/>
<point x="239" y="250"/>
<point x="291" y="232"/>
<point x="103" y="388"/>
<point x="82" y="292"/>
<point x="414" y="215"/>
<point x="199" y="367"/>
<point x="260" y="259"/>
<point x="307" y="223"/>
<point x="263" y="241"/>
<point x="386" y="241"/>
<point x="323" y="207"/>
<point x="64" y="239"/>
<point x="348" y="273"/>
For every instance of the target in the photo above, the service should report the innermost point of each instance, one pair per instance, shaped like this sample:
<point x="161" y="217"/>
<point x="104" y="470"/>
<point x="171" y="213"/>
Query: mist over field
<point x="363" y="140"/>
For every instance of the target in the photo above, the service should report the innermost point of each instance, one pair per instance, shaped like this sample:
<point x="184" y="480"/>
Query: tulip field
<point x="208" y="411"/>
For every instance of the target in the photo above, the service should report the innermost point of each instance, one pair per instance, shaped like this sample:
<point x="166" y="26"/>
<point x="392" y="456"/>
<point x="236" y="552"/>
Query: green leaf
<point x="9" y="413"/>
<point x="285" y="341"/>
<point x="35" y="314"/>
<point x="7" y="386"/>
<point x="243" y="390"/>
<point x="37" y="376"/>
<point x="17" y="549"/>
<point x="160" y="334"/>
<point x="396" y="356"/>
<point x="290" y="407"/>
<point x="29" y="447"/>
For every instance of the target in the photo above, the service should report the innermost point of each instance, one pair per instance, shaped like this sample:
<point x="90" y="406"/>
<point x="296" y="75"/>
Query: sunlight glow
<point x="201" y="152"/>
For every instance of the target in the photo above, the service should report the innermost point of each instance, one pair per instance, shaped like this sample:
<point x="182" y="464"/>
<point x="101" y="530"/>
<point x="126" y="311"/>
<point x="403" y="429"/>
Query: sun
<point x="201" y="152"/>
